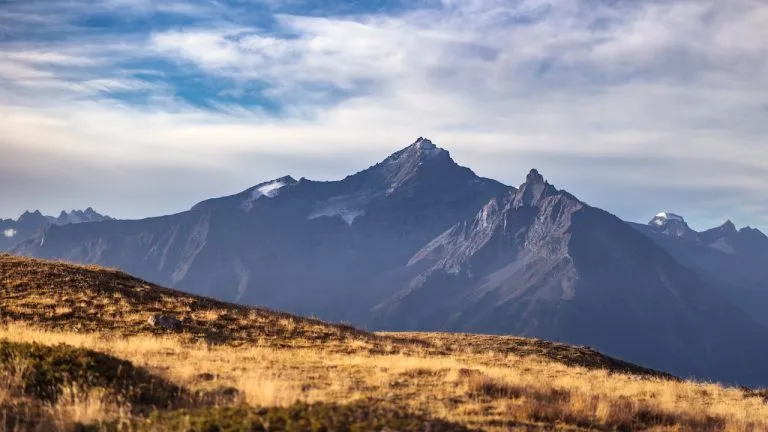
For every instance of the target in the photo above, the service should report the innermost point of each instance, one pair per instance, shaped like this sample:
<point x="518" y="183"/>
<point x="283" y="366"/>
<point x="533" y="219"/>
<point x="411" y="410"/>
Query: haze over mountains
<point x="13" y="232"/>
<point x="417" y="242"/>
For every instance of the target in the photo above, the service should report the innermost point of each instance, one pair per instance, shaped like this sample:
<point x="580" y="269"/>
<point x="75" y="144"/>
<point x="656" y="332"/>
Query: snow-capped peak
<point x="664" y="217"/>
<point x="673" y="225"/>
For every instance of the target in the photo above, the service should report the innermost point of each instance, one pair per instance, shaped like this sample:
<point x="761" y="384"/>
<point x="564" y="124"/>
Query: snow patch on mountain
<point x="346" y="214"/>
<point x="722" y="245"/>
<point x="9" y="233"/>
<point x="269" y="190"/>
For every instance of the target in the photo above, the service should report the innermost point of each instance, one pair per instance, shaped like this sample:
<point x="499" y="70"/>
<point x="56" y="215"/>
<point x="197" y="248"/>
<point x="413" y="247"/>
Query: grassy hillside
<point x="76" y="348"/>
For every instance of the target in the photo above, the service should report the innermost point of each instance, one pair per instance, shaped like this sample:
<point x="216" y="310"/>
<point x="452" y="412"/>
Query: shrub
<point x="318" y="417"/>
<point x="45" y="371"/>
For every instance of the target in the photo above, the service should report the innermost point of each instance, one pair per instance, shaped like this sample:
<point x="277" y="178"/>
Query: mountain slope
<point x="328" y="249"/>
<point x="732" y="261"/>
<point x="64" y="296"/>
<point x="541" y="263"/>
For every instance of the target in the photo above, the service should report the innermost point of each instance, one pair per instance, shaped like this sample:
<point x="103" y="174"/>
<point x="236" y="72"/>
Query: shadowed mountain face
<point x="316" y="248"/>
<point x="734" y="261"/>
<point x="417" y="242"/>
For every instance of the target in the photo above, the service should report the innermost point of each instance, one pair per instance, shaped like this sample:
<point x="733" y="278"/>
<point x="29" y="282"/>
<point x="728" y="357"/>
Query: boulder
<point x="165" y="321"/>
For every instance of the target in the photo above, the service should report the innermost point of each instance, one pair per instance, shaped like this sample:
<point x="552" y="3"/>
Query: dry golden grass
<point x="64" y="296"/>
<point x="485" y="382"/>
<point x="78" y="406"/>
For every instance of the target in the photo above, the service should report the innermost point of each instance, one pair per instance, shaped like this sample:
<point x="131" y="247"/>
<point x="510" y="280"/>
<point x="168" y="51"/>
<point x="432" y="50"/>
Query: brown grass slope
<point x="239" y="359"/>
<point x="65" y="296"/>
<point x="89" y="298"/>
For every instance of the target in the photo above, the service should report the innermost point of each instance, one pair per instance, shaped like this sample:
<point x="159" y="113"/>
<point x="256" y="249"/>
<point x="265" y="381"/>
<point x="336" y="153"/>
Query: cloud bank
<point x="144" y="108"/>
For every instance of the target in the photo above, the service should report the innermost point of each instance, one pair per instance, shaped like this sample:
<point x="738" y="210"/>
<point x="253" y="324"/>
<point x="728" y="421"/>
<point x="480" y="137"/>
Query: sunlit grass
<point x="231" y="356"/>
<point x="485" y="390"/>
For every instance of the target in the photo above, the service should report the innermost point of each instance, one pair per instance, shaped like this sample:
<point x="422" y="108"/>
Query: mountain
<point x="732" y="260"/>
<point x="538" y="262"/>
<point x="329" y="249"/>
<point x="13" y="232"/>
<point x="417" y="242"/>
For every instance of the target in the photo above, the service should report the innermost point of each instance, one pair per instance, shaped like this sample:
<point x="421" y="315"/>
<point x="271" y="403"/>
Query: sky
<point x="141" y="108"/>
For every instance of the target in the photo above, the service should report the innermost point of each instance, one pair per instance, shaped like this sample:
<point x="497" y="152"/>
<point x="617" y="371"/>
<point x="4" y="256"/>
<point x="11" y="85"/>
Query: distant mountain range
<point x="417" y="242"/>
<point x="734" y="261"/>
<point x="12" y="232"/>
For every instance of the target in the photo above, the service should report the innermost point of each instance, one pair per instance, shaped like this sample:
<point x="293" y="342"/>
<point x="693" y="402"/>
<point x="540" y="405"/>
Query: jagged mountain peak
<point x="30" y="219"/>
<point x="535" y="189"/>
<point x="28" y="214"/>
<point x="420" y="161"/>
<point x="534" y="177"/>
<point x="78" y="216"/>
<point x="423" y="149"/>
<point x="728" y="227"/>
<point x="424" y="144"/>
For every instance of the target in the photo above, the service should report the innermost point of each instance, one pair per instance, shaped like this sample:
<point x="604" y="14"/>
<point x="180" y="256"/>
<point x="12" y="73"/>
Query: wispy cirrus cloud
<point x="635" y="106"/>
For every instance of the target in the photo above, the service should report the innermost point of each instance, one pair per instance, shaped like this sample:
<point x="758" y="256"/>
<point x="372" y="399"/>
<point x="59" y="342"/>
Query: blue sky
<point x="140" y="107"/>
